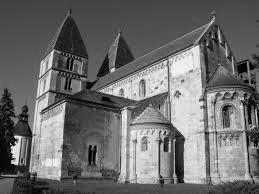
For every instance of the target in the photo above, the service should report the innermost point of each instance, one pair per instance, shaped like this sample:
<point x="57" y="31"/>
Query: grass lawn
<point x="111" y="187"/>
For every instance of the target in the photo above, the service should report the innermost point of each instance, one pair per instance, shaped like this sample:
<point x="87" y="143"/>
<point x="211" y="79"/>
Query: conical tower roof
<point x="151" y="115"/>
<point x="118" y="55"/>
<point x="68" y="38"/>
<point x="222" y="78"/>
<point x="22" y="127"/>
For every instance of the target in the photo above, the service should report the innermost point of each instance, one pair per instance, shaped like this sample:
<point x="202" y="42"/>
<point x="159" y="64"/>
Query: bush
<point x="63" y="191"/>
<point x="22" y="186"/>
<point x="235" y="187"/>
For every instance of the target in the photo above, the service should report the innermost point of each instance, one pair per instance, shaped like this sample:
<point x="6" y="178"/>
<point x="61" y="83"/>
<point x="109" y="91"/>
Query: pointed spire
<point x="118" y="55"/>
<point x="68" y="38"/>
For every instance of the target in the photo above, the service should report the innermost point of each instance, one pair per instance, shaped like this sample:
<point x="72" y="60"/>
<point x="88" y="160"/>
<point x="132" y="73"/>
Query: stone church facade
<point x="176" y="114"/>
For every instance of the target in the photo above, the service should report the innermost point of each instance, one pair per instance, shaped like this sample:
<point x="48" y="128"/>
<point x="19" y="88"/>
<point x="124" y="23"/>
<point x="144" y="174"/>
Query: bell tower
<point x="63" y="72"/>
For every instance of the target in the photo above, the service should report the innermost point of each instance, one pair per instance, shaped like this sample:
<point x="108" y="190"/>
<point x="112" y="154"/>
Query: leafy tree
<point x="7" y="139"/>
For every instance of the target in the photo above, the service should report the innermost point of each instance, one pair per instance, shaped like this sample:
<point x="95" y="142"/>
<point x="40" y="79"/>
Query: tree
<point x="7" y="139"/>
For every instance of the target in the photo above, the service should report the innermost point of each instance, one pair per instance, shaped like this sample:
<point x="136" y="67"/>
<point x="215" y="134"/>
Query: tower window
<point x="144" y="144"/>
<point x="166" y="144"/>
<point x="121" y="93"/>
<point x="142" y="88"/>
<point x="68" y="84"/>
<point x="227" y="115"/>
<point x="70" y="63"/>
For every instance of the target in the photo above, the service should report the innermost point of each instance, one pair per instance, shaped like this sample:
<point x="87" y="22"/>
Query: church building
<point x="177" y="114"/>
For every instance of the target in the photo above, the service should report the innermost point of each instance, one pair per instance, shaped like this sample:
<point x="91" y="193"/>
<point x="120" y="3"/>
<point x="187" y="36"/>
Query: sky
<point x="28" y="26"/>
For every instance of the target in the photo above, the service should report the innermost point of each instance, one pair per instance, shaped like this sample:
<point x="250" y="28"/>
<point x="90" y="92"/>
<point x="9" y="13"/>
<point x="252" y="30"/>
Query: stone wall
<point x="89" y="125"/>
<point x="50" y="142"/>
<point x="187" y="115"/>
<point x="154" y="160"/>
<point x="155" y="77"/>
<point x="227" y="145"/>
<point x="216" y="51"/>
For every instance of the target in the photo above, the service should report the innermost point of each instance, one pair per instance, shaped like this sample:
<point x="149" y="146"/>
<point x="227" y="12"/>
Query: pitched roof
<point x="175" y="46"/>
<point x="101" y="98"/>
<point x="68" y="39"/>
<point x="118" y="55"/>
<point x="151" y="115"/>
<point x="222" y="77"/>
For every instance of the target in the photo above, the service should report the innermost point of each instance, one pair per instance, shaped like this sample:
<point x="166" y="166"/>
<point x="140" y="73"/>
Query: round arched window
<point x="227" y="115"/>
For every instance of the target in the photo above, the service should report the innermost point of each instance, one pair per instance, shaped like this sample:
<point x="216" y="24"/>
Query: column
<point x="158" y="140"/>
<point x="253" y="115"/>
<point x="125" y="146"/>
<point x="244" y="121"/>
<point x="215" y="138"/>
<point x="174" y="154"/>
<point x="134" y="180"/>
<point x="248" y="72"/>
<point x="256" y="115"/>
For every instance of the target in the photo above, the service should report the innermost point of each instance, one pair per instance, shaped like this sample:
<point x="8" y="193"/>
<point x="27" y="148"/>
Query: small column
<point x="248" y="72"/>
<point x="216" y="166"/>
<point x="256" y="115"/>
<point x="244" y="122"/>
<point x="174" y="154"/>
<point x="253" y="115"/>
<point x="134" y="180"/>
<point x="158" y="140"/>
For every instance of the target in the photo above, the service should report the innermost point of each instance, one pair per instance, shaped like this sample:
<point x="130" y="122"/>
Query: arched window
<point x="166" y="144"/>
<point x="249" y="114"/>
<point x="94" y="155"/>
<point x="90" y="154"/>
<point x="144" y="146"/>
<point x="227" y="115"/>
<point x="142" y="88"/>
<point x="121" y="93"/>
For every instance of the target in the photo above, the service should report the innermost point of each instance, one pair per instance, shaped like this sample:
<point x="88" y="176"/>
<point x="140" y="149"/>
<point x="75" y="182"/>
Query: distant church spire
<point x="213" y="14"/>
<point x="119" y="54"/>
<point x="69" y="11"/>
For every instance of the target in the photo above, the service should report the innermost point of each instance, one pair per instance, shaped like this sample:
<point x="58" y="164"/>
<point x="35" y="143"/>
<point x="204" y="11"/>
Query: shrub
<point x="235" y="187"/>
<point x="22" y="186"/>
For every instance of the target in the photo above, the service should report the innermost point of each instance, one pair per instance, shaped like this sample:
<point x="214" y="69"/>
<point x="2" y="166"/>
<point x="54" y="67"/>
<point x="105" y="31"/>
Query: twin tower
<point x="63" y="71"/>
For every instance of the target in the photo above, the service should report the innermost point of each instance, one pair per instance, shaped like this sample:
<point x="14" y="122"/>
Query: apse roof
<point x="175" y="46"/>
<point x="222" y="77"/>
<point x="68" y="39"/>
<point x="151" y="115"/>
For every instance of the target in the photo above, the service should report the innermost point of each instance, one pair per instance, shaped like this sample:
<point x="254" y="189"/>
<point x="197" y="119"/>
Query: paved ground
<point x="6" y="185"/>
